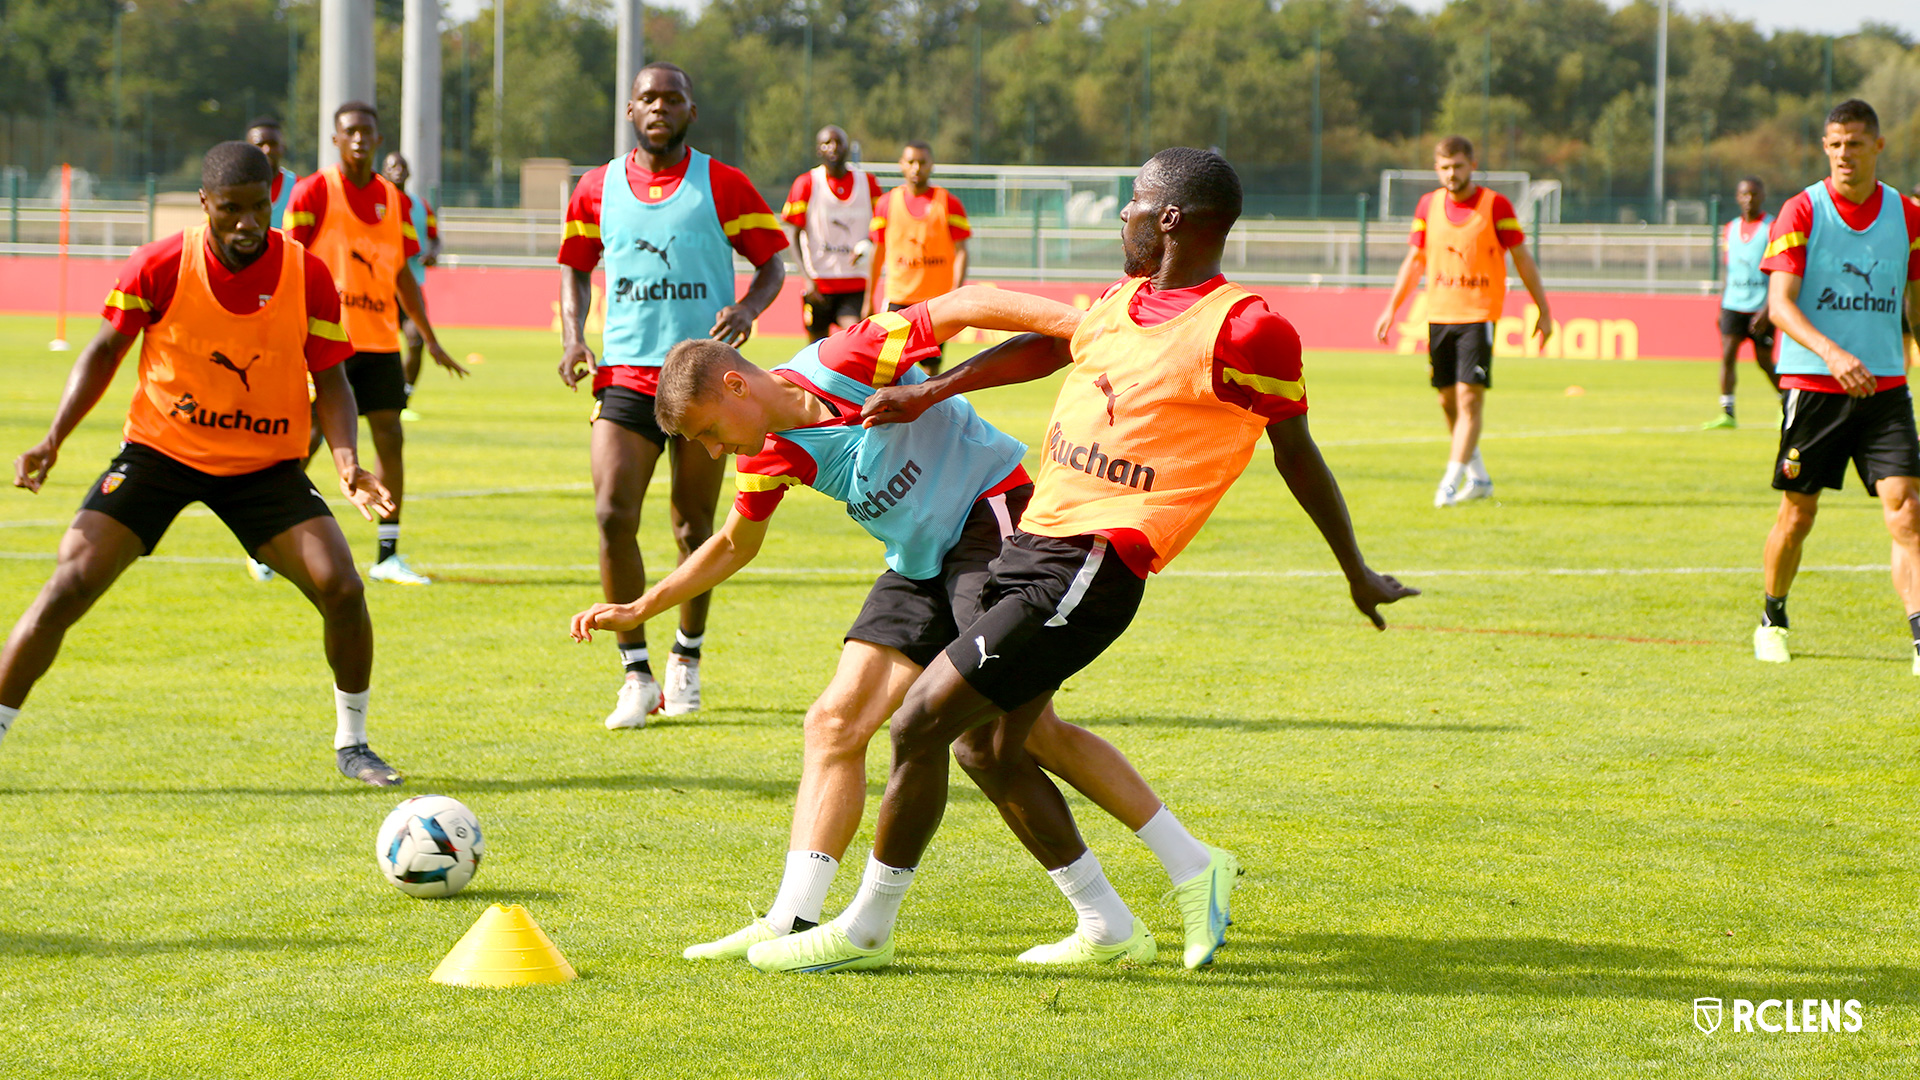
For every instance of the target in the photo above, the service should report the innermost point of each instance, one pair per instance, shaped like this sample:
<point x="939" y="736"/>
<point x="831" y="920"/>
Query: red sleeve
<point x="305" y="207"/>
<point x="1256" y="363"/>
<point x="580" y="241"/>
<point x="957" y="224"/>
<point x="327" y="342"/>
<point x="1913" y="239"/>
<point x="795" y="211"/>
<point x="873" y="189"/>
<point x="1418" y="236"/>
<point x="433" y="221"/>
<point x="1787" y="240"/>
<point x="1506" y="223"/>
<point x="409" y="240"/>
<point x="881" y="349"/>
<point x="145" y="286"/>
<point x="763" y="479"/>
<point x="745" y="217"/>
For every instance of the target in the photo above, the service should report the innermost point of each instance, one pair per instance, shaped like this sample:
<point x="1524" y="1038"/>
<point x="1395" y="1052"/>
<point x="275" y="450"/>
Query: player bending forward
<point x="941" y="494"/>
<point x="1176" y="371"/>
<point x="232" y="316"/>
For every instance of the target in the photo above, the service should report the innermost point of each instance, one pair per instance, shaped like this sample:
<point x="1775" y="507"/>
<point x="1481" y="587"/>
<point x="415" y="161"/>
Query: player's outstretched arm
<point x="576" y="295"/>
<point x="1529" y="272"/>
<point x="1410" y="268"/>
<point x="1783" y="307"/>
<point x="1018" y="359"/>
<point x="340" y="422"/>
<point x="416" y="308"/>
<point x="1305" y="471"/>
<point x="721" y="557"/>
<point x="92" y="373"/>
<point x="985" y="308"/>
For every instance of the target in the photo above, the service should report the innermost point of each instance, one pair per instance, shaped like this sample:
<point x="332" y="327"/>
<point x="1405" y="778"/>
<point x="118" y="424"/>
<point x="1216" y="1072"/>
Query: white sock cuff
<point x="686" y="642"/>
<point x="1083" y="872"/>
<point x="887" y="879"/>
<point x="7" y="715"/>
<point x="630" y="654"/>
<point x="1455" y="470"/>
<point x="389" y="530"/>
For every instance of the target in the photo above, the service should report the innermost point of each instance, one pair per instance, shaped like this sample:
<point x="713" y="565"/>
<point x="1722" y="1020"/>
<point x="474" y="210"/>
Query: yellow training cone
<point x="505" y="948"/>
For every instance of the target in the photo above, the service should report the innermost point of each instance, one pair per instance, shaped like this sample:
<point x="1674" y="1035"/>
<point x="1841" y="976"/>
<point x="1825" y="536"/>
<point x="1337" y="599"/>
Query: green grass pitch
<point x="1516" y="835"/>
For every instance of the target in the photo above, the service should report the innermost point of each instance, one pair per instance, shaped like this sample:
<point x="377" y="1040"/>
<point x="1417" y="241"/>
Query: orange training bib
<point x="225" y="393"/>
<point x="920" y="251"/>
<point x="364" y="260"/>
<point x="1138" y="438"/>
<point x="1466" y="266"/>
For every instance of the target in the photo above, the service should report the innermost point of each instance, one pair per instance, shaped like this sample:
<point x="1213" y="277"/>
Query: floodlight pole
<point x="1660" y="119"/>
<point x="499" y="95"/>
<point x="346" y="64"/>
<point x="420" y="95"/>
<point x="629" y="55"/>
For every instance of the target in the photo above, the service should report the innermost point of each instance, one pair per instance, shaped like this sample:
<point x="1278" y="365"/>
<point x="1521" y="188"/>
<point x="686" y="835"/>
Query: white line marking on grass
<point x="1566" y="433"/>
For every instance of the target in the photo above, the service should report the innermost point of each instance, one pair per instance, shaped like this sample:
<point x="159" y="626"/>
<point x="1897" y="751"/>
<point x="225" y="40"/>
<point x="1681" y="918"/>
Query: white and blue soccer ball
<point x="429" y="846"/>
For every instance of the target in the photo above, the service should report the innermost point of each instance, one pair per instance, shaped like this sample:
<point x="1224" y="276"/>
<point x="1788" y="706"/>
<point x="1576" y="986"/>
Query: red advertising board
<point x="1589" y="326"/>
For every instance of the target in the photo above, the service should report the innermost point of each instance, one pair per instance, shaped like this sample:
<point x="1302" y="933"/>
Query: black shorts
<point x="1460" y="353"/>
<point x="1056" y="604"/>
<point x="1739" y="325"/>
<point x="1821" y="432"/>
<point x="379" y="382"/>
<point x="821" y="318"/>
<point x="145" y="490"/>
<point x="920" y="618"/>
<point x="631" y="409"/>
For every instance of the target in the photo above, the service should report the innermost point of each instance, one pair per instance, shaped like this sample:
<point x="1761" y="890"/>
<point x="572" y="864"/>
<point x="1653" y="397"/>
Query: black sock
<point x="688" y="647"/>
<point x="1913" y="624"/>
<point x="1775" y="613"/>
<point x="388" y="548"/>
<point x="801" y="926"/>
<point x="634" y="659"/>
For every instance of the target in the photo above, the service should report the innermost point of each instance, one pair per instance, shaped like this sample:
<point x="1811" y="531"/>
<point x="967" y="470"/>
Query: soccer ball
<point x="429" y="846"/>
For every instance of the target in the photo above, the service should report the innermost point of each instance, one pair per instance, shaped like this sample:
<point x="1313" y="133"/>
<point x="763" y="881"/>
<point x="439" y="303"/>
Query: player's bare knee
<point x="619" y="519"/>
<point x="977" y="752"/>
<point x="341" y="592"/>
<point x="689" y="535"/>
<point x="836" y="732"/>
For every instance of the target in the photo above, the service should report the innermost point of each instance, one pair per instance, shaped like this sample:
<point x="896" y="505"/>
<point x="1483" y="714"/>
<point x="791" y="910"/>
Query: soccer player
<point x="426" y="228"/>
<point x="941" y="494"/>
<point x="1851" y="247"/>
<point x="1176" y="372"/>
<point x="265" y="134"/>
<point x="669" y="220"/>
<point x="1743" y="305"/>
<point x="827" y="215"/>
<point x="1462" y="235"/>
<point x="919" y="240"/>
<point x="360" y="225"/>
<point x="232" y="316"/>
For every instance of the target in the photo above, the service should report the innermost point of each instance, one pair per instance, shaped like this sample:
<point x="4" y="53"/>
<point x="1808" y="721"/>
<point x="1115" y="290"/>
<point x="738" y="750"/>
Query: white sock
<point x="803" y="889"/>
<point x="1477" y="468"/>
<point x="869" y="920"/>
<point x="1455" y="470"/>
<point x="633" y="654"/>
<point x="680" y="638"/>
<point x="7" y="714"/>
<point x="1183" y="857"/>
<point x="1726" y="404"/>
<point x="350" y="718"/>
<point x="1104" y="918"/>
<point x="388" y="530"/>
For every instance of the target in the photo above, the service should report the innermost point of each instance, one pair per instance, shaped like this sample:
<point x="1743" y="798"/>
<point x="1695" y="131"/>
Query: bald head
<point x="832" y="145"/>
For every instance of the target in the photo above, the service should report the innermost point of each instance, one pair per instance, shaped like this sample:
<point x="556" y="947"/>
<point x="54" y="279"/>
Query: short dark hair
<point x="263" y="122"/>
<point x="1454" y="145"/>
<point x="354" y="107"/>
<point x="1753" y="182"/>
<point x="665" y="65"/>
<point x="917" y="144"/>
<point x="1855" y="111"/>
<point x="232" y="163"/>
<point x="690" y="374"/>
<point x="1200" y="183"/>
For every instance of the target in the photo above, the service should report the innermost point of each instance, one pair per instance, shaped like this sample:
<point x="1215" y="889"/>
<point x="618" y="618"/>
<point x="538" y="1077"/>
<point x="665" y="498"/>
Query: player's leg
<point x="623" y="462"/>
<point x="696" y="495"/>
<point x="1900" y="505"/>
<point x="817" y="318"/>
<point x="94" y="552"/>
<point x="1817" y="433"/>
<point x="1729" y="368"/>
<point x="389" y="440"/>
<point x="867" y="687"/>
<point x="1443" y="371"/>
<point x="314" y="555"/>
<point x="410" y="362"/>
<point x="1780" y="563"/>
<point x="1887" y="455"/>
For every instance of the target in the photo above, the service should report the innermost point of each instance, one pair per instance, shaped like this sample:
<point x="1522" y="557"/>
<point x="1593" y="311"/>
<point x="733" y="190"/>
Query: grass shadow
<point x="1290" y="723"/>
<point x="21" y="943"/>
<point x="446" y="785"/>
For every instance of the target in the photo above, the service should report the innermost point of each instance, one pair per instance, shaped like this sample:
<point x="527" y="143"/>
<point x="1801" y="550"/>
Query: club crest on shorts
<point x="1790" y="465"/>
<point x="111" y="482"/>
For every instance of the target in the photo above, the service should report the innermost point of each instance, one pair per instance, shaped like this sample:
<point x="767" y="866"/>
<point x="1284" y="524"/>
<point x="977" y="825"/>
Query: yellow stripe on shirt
<point x="1509" y="224"/>
<point x="408" y="232"/>
<point x="1419" y="224"/>
<point x="1786" y="243"/>
<point x="888" y="365"/>
<point x="758" y="482"/>
<point x="878" y="224"/>
<point x="321" y="328"/>
<point x="1265" y="384"/>
<point x="792" y="207"/>
<point x="127" y="301"/>
<point x="297" y="218"/>
<point x="751" y="221"/>
<point x="588" y="229"/>
<point x="958" y="221"/>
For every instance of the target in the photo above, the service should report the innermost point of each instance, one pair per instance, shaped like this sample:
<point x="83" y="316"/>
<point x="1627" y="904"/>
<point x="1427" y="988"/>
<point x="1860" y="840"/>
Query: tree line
<point x="1561" y="88"/>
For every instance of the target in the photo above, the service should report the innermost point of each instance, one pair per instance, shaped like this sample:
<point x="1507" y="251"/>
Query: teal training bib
<point x="669" y="266"/>
<point x="1853" y="285"/>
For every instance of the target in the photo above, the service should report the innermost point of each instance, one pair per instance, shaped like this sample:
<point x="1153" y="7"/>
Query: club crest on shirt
<point x="380" y="211"/>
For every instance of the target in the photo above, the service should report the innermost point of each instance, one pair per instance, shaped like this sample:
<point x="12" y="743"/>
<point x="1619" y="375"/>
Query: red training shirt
<point x="147" y="281"/>
<point x="308" y="206"/>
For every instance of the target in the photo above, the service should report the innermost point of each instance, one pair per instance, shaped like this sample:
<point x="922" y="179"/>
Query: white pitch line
<point x="862" y="571"/>
<point x="1566" y="433"/>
